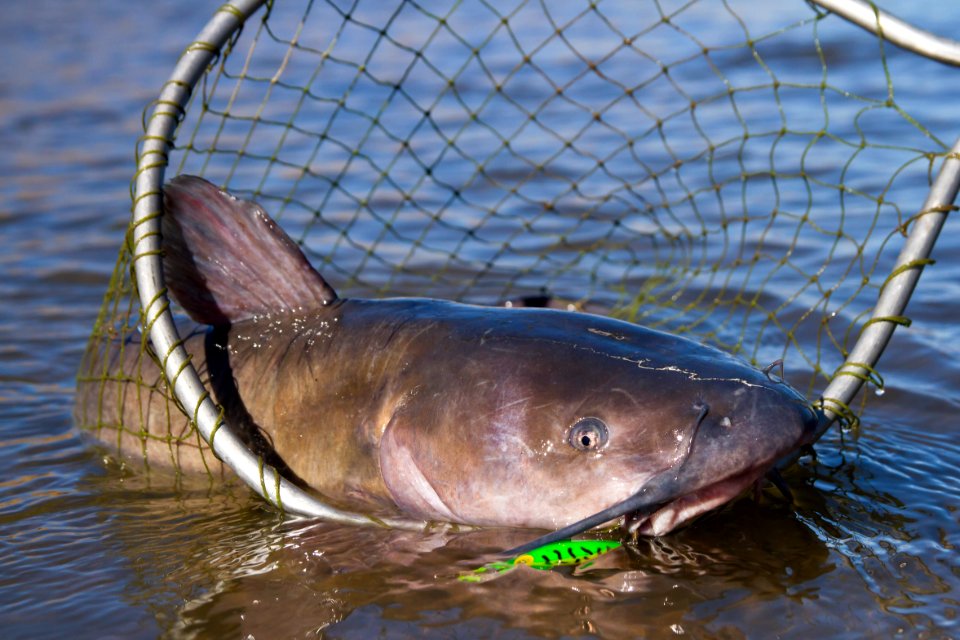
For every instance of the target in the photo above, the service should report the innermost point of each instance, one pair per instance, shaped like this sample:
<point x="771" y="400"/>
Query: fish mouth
<point x="660" y="519"/>
<point x="667" y="501"/>
<point x="657" y="494"/>
<point x="656" y="509"/>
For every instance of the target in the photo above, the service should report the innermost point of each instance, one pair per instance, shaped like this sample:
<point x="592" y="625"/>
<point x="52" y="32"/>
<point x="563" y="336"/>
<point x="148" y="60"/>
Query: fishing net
<point x="744" y="173"/>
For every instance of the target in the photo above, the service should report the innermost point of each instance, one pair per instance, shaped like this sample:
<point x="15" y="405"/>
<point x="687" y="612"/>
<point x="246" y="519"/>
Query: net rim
<point x="896" y="31"/>
<point x="158" y="322"/>
<point x="157" y="319"/>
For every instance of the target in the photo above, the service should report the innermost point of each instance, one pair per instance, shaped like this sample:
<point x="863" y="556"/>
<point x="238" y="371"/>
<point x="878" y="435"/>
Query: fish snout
<point x="793" y="415"/>
<point x="749" y="426"/>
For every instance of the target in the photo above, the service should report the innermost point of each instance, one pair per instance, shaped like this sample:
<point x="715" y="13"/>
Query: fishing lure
<point x="555" y="554"/>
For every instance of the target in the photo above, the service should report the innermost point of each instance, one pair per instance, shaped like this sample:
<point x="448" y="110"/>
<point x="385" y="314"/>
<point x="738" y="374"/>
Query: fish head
<point x="559" y="418"/>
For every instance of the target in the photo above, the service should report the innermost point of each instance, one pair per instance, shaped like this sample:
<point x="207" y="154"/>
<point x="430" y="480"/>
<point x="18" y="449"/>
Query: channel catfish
<point x="520" y="417"/>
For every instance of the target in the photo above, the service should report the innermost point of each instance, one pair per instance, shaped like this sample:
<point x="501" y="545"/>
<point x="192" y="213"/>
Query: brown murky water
<point x="89" y="549"/>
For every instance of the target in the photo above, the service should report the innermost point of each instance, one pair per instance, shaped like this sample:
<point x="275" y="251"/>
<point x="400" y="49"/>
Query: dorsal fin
<point x="226" y="260"/>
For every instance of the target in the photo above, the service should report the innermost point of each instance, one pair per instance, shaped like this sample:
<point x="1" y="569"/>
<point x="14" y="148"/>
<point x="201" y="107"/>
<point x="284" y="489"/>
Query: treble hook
<point x="770" y="367"/>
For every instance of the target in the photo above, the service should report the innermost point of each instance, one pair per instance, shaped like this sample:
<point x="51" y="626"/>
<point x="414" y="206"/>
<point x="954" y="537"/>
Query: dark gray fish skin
<point x="442" y="410"/>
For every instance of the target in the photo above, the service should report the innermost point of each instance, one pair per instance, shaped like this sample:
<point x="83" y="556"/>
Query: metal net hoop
<point x="650" y="260"/>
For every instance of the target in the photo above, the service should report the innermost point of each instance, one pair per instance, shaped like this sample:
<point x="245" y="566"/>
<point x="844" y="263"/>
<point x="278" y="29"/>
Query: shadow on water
<point x="298" y="578"/>
<point x="865" y="547"/>
<point x="239" y="570"/>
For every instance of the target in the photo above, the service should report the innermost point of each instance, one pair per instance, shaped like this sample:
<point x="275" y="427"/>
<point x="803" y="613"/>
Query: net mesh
<point x="739" y="172"/>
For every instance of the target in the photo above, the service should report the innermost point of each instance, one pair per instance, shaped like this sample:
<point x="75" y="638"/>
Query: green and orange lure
<point x="556" y="554"/>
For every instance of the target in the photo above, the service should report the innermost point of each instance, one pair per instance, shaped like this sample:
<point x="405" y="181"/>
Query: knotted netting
<point x="745" y="173"/>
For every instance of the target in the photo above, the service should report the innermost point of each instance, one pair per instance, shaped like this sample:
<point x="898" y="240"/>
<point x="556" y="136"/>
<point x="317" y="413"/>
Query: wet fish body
<point x="440" y="410"/>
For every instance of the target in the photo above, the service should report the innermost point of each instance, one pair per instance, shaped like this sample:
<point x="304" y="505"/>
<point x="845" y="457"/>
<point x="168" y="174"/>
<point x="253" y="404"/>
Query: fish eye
<point x="588" y="434"/>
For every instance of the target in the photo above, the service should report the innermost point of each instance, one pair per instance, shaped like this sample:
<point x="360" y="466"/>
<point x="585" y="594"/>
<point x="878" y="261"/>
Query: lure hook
<point x="770" y="367"/>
